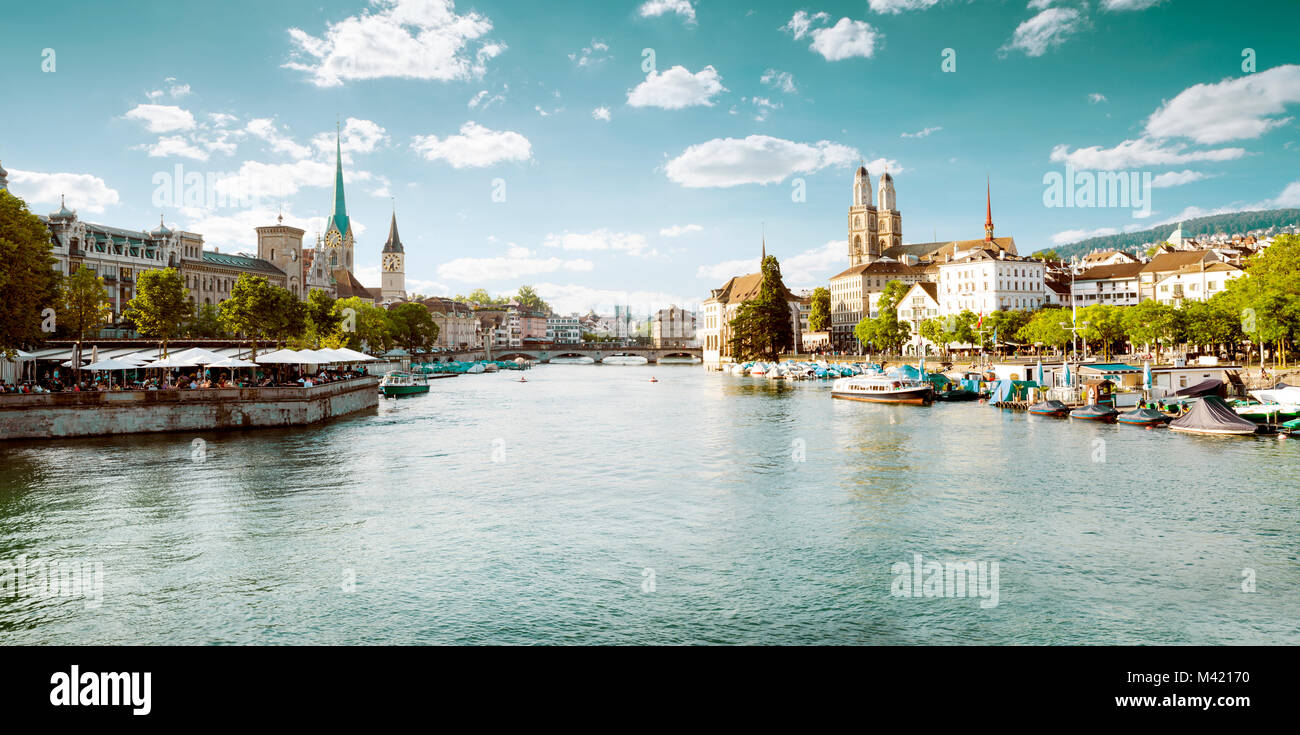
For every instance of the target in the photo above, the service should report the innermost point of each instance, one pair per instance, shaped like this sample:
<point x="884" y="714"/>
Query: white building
<point x="1112" y="285"/>
<point x="982" y="282"/>
<point x="1195" y="282"/>
<point x="563" y="330"/>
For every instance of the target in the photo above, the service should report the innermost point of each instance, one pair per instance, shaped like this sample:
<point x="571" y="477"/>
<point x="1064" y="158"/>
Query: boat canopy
<point x="1212" y="415"/>
<point x="1003" y="391"/>
<point x="1210" y="387"/>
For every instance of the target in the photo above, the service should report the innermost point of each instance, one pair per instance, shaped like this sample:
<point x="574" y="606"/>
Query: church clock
<point x="392" y="262"/>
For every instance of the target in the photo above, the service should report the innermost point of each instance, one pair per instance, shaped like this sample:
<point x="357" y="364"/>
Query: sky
<point x="639" y="152"/>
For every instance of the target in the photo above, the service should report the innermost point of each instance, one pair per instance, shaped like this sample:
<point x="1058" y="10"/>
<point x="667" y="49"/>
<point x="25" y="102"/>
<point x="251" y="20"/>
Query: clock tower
<point x="393" y="261"/>
<point x="281" y="246"/>
<point x="338" y="230"/>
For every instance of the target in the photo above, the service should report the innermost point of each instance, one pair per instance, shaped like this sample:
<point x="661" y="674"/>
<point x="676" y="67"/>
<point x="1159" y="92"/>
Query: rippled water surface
<point x="589" y="505"/>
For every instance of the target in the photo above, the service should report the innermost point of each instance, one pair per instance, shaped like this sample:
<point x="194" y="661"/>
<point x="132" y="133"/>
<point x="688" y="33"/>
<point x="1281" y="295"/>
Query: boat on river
<point x="1143" y="417"/>
<point x="1210" y="415"/>
<point x="399" y="383"/>
<point x="1094" y="412"/>
<point x="1049" y="408"/>
<point x="883" y="389"/>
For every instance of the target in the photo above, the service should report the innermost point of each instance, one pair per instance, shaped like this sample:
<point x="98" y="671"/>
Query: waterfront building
<point x="1169" y="262"/>
<point x="856" y="290"/>
<point x="1114" y="284"/>
<point x="673" y="327"/>
<point x="1196" y="282"/>
<point x="458" y="325"/>
<point x="563" y="330"/>
<point x="984" y="281"/>
<point x="920" y="303"/>
<point x="211" y="277"/>
<point x="717" y="311"/>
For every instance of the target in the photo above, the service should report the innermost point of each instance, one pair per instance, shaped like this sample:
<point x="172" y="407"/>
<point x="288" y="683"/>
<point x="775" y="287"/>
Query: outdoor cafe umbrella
<point x="279" y="357"/>
<point x="232" y="363"/>
<point x="353" y="355"/>
<point x="110" y="365"/>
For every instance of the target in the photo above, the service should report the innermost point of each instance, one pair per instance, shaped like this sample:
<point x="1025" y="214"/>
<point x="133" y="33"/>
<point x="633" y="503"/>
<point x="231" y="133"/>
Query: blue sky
<point x="526" y="142"/>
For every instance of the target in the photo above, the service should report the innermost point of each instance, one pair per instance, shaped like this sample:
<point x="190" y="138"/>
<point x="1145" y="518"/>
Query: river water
<point x="589" y="505"/>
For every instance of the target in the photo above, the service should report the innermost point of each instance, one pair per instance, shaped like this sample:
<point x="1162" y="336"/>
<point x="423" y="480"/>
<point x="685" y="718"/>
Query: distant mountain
<point x="1227" y="224"/>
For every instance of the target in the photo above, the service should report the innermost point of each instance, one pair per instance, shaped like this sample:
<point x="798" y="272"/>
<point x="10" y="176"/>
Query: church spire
<point x="394" y="244"/>
<point x="340" y="213"/>
<point x="988" y="211"/>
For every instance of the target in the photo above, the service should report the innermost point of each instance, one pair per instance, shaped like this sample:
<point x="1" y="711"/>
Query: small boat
<point x="1094" y="412"/>
<point x="1143" y="417"/>
<point x="883" y="389"/>
<point x="654" y="379"/>
<point x="522" y="379"/>
<point x="399" y="383"/>
<point x="625" y="360"/>
<point x="758" y="369"/>
<point x="1049" y="408"/>
<point x="1210" y="415"/>
<point x="476" y="368"/>
<point x="956" y="394"/>
<point x="491" y="367"/>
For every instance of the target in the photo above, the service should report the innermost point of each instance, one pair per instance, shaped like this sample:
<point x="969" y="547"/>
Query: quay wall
<point x="95" y="413"/>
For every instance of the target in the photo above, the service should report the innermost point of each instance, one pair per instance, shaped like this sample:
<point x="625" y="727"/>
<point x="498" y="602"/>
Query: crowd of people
<point x="53" y="382"/>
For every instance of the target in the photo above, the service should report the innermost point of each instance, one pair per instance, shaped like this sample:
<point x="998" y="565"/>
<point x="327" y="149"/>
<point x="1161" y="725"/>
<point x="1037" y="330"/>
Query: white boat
<point x="476" y="368"/>
<point x="1286" y="397"/>
<point x="625" y="360"/>
<point x="883" y="389"/>
<point x="738" y="370"/>
<point x="578" y="360"/>
<point x="758" y="369"/>
<point x="691" y="360"/>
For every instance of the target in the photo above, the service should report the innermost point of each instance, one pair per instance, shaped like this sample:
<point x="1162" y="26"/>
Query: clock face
<point x="392" y="262"/>
<point x="332" y="239"/>
<point x="293" y="256"/>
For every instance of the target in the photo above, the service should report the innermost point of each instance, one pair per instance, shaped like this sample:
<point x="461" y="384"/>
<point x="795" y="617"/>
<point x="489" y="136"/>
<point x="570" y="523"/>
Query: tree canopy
<point x="819" y="317"/>
<point x="27" y="277"/>
<point x="762" y="328"/>
<point x="161" y="306"/>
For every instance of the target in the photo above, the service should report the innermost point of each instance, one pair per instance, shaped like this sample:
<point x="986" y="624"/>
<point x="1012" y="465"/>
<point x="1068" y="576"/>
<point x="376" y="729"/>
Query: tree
<point x="1044" y="328"/>
<point x="886" y="332"/>
<point x="414" y="329"/>
<point x="819" y="318"/>
<point x="1267" y="299"/>
<point x="161" y="306"/>
<point x="762" y="327"/>
<point x="28" y="281"/>
<point x="323" y="317"/>
<point x="287" y="320"/>
<point x="249" y="309"/>
<point x="1151" y="322"/>
<point x="370" y="327"/>
<point x="932" y="330"/>
<point x="529" y="299"/>
<point x="205" y="323"/>
<point x="84" y="307"/>
<point x="1105" y="326"/>
<point x="482" y="297"/>
<point x="1003" y="326"/>
<point x="1046" y="255"/>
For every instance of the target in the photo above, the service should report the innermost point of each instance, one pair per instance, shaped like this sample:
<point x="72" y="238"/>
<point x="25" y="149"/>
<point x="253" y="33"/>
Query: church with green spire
<point x="339" y="241"/>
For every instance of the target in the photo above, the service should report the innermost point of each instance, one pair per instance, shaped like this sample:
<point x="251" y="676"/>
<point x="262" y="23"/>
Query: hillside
<point x="1228" y="224"/>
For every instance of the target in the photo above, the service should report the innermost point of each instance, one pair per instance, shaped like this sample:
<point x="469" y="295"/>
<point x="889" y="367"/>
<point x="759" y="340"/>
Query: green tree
<point x="1046" y="255"/>
<point x="205" y="323"/>
<point x="1151" y="322"/>
<point x="1267" y="298"/>
<point x="1104" y="327"/>
<point x="1045" y="328"/>
<point x="414" y="329"/>
<point x="932" y="330"/>
<point x="529" y="299"/>
<point x="482" y="297"/>
<point x="762" y="327"/>
<point x="886" y="332"/>
<point x="161" y="306"/>
<point x="28" y="281"/>
<point x="819" y="317"/>
<point x="368" y="326"/>
<point x="323" y="317"/>
<point x="250" y="309"/>
<point x="287" y="320"/>
<point x="84" y="307"/>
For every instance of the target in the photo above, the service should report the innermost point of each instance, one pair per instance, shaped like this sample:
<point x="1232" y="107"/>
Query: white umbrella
<point x="172" y="361"/>
<point x="285" y="356"/>
<point x="198" y="355"/>
<point x="315" y="357"/>
<point x="111" y="364"/>
<point x="353" y="355"/>
<point x="232" y="362"/>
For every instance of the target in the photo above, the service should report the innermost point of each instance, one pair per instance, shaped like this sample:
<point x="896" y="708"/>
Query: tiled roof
<point x="879" y="267"/>
<point x="346" y="285"/>
<point x="1103" y="272"/>
<point x="1165" y="262"/>
<point x="743" y="288"/>
<point x="936" y="250"/>
<point x="241" y="262"/>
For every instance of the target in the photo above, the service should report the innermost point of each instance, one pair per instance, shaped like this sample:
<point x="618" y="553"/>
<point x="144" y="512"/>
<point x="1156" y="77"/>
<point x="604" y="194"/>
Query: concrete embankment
<point x="93" y="413"/>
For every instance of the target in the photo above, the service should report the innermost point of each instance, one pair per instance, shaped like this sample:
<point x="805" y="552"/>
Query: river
<point x="589" y="505"/>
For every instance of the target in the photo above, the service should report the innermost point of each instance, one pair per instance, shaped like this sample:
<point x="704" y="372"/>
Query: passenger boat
<point x="883" y="389"/>
<point x="1049" y="408"/>
<point x="1094" y="412"/>
<point x="403" y="384"/>
<point x="1143" y="417"/>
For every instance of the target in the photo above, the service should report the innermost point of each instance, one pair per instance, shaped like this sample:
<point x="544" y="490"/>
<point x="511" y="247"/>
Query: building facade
<point x="563" y="330"/>
<point x="672" y="327"/>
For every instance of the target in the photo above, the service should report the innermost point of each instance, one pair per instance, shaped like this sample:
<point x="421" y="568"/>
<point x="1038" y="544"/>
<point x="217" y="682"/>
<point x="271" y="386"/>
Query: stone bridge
<point x="595" y="352"/>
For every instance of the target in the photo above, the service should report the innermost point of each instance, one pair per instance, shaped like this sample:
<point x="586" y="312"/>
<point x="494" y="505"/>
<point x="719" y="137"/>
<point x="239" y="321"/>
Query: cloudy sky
<point x="634" y="152"/>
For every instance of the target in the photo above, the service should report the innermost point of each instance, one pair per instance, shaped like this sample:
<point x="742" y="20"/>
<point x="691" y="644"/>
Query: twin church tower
<point x="873" y="228"/>
<point x="329" y="265"/>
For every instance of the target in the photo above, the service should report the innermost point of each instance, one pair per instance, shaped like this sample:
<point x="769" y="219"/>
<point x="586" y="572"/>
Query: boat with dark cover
<point x="1094" y="412"/>
<point x="1049" y="408"/>
<point x="1143" y="417"/>
<point x="1210" y="415"/>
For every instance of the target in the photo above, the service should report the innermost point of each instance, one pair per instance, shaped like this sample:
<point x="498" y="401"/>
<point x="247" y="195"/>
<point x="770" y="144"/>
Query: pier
<point x="99" y="413"/>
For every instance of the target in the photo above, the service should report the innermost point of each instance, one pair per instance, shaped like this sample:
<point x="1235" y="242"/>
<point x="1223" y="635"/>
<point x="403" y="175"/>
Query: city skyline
<point x="559" y="161"/>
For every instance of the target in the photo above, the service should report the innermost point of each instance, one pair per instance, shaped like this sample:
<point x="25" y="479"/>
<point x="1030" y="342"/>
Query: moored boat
<point x="883" y="389"/>
<point x="1049" y="408"/>
<point x="955" y="394"/>
<point x="1094" y="412"/>
<point x="399" y="383"/>
<point x="1143" y="417"/>
<point x="1210" y="415"/>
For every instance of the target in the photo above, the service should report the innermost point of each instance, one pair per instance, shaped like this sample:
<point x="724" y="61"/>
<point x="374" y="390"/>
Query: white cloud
<point x="601" y="113"/>
<point x="568" y="298"/>
<point x="162" y="118"/>
<point x="764" y="106"/>
<point x="923" y="132"/>
<point x="779" y="80"/>
<point x="592" y="55"/>
<point x="1040" y="33"/>
<point x="1096" y="97"/>
<point x="476" y="146"/>
<point x="1040" y="4"/>
<point x="410" y="39"/>
<point x="221" y="119"/>
<point x="683" y="8"/>
<point x="1129" y="4"/>
<point x="357" y="136"/>
<point x="679" y="230"/>
<point x="485" y="99"/>
<point x="757" y="159"/>
<point x="1290" y="196"/>
<point x="518" y="263"/>
<point x="1234" y="109"/>
<point x="900" y="6"/>
<point x="175" y="145"/>
<point x="1068" y="236"/>
<point x="1178" y="178"/>
<point x="1139" y="153"/>
<point x="808" y="267"/>
<point x="845" y="40"/>
<point x="600" y="240"/>
<point x="256" y="179"/>
<point x="264" y="128"/>
<point x="237" y="230"/>
<point x="677" y="88"/>
<point x="801" y="23"/>
<point x="82" y="191"/>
